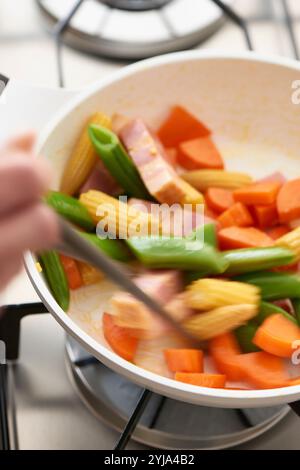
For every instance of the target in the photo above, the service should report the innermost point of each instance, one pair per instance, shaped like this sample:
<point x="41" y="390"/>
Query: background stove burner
<point x="136" y="5"/>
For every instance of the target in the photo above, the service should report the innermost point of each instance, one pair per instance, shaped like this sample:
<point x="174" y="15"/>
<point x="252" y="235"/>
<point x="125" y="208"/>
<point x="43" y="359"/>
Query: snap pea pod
<point x="254" y="259"/>
<point x="274" y="286"/>
<point x="177" y="253"/>
<point x="117" y="161"/>
<point x="267" y="309"/>
<point x="244" y="335"/>
<point x="55" y="277"/>
<point x="206" y="233"/>
<point x="115" y="249"/>
<point x="70" y="208"/>
<point x="296" y="306"/>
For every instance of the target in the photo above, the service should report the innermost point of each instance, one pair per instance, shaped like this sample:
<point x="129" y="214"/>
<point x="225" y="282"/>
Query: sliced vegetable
<point x="263" y="370"/>
<point x="202" y="380"/>
<point x="118" y="338"/>
<point x="254" y="259"/>
<point x="237" y="215"/>
<point x="208" y="294"/>
<point x="56" y="278"/>
<point x="240" y="237"/>
<point x="115" y="249"/>
<point x="199" y="153"/>
<point x="117" y="161"/>
<point x="266" y="216"/>
<point x="292" y="241"/>
<point x="258" y="193"/>
<point x="72" y="272"/>
<point x="177" y="253"/>
<point x="278" y="232"/>
<point x="296" y="307"/>
<point x="205" y="179"/>
<point x="221" y="320"/>
<point x="206" y="233"/>
<point x="288" y="201"/>
<point x="89" y="274"/>
<point x="277" y="335"/>
<point x="219" y="199"/>
<point x="179" y="126"/>
<point x="268" y="309"/>
<point x="184" y="360"/>
<point x="70" y="208"/>
<point x="245" y="334"/>
<point x="117" y="215"/>
<point x="225" y="350"/>
<point x="83" y="157"/>
<point x="274" y="286"/>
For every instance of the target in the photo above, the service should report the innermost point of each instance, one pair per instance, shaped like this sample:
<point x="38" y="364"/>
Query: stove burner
<point x="136" y="5"/>
<point x="162" y="423"/>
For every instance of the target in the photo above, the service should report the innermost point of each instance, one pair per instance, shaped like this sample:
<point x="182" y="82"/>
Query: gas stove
<point x="59" y="397"/>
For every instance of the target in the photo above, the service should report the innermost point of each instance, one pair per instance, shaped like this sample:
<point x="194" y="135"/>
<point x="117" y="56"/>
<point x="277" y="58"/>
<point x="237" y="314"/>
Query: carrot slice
<point x="224" y="350"/>
<point x="239" y="237"/>
<point x="219" y="199"/>
<point x="278" y="232"/>
<point x="180" y="126"/>
<point x="288" y="201"/>
<point x="202" y="380"/>
<point x="263" y="370"/>
<point x="237" y="215"/>
<point x="184" y="360"/>
<point x="266" y="216"/>
<point x="258" y="194"/>
<point x="276" y="336"/>
<point x="119" y="338"/>
<point x="199" y="153"/>
<point x="72" y="272"/>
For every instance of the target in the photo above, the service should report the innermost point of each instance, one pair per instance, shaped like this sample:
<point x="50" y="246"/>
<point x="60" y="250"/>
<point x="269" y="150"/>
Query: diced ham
<point x="101" y="180"/>
<point x="164" y="288"/>
<point x="151" y="161"/>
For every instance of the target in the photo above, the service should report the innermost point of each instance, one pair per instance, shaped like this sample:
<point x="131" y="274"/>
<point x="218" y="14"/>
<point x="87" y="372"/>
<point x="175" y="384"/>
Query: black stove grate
<point x="10" y="317"/>
<point x="136" y="5"/>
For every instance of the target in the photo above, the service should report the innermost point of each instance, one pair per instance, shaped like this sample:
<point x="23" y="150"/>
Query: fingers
<point x="23" y="142"/>
<point x="10" y="268"/>
<point x="34" y="228"/>
<point x="22" y="181"/>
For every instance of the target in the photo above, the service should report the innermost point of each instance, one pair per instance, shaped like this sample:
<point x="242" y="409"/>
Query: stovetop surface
<point x="49" y="413"/>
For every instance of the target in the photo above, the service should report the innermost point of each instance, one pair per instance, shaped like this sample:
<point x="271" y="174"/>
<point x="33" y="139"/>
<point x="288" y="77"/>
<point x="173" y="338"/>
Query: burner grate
<point x="136" y="5"/>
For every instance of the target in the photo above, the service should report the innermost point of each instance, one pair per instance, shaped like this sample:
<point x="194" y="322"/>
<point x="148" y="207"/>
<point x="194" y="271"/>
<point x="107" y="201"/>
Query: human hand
<point x="25" y="223"/>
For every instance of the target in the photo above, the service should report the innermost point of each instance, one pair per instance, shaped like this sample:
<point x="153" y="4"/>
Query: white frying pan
<point x="247" y="101"/>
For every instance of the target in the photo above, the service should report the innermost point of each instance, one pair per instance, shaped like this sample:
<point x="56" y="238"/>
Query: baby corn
<point x="120" y="218"/>
<point x="207" y="294"/>
<point x="221" y="320"/>
<point x="89" y="274"/>
<point x="292" y="241"/>
<point x="83" y="157"/>
<point x="191" y="195"/>
<point x="204" y="179"/>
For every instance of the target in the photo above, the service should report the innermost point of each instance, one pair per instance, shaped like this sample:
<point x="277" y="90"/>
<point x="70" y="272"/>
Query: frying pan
<point x="247" y="100"/>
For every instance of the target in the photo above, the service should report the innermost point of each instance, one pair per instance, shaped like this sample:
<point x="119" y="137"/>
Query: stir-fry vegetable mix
<point x="232" y="281"/>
